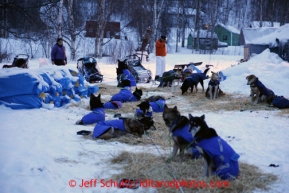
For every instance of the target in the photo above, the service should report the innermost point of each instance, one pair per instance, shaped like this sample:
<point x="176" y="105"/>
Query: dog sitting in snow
<point x="179" y="128"/>
<point x="213" y="91"/>
<point x="220" y="158"/>
<point x="259" y="93"/>
<point x="97" y="113"/>
<point x="192" y="80"/>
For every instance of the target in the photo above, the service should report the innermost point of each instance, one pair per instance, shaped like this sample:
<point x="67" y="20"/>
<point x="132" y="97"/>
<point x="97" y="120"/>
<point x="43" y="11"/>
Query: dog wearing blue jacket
<point x="220" y="158"/>
<point x="126" y="95"/>
<point x="193" y="80"/>
<point x="119" y="127"/>
<point x="259" y="93"/>
<point x="179" y="128"/>
<point x="97" y="113"/>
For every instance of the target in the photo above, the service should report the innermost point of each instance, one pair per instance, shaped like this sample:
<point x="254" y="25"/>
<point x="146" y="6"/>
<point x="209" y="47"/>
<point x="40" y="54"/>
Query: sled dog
<point x="179" y="128"/>
<point x="259" y="93"/>
<point x="192" y="80"/>
<point x="219" y="157"/>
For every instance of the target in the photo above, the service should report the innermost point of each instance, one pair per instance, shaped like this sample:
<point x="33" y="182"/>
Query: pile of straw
<point x="149" y="167"/>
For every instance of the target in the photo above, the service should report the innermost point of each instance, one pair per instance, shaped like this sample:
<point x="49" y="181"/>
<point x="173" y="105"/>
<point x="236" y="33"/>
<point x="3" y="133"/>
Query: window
<point x="225" y="37"/>
<point x="108" y="34"/>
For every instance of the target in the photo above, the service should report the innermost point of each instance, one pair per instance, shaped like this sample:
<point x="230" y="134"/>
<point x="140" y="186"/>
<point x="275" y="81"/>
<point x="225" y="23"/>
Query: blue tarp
<point x="32" y="88"/>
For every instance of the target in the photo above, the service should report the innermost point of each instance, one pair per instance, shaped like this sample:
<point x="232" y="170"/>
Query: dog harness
<point x="124" y="95"/>
<point x="95" y="116"/>
<point x="224" y="157"/>
<point x="103" y="126"/>
<point x="214" y="82"/>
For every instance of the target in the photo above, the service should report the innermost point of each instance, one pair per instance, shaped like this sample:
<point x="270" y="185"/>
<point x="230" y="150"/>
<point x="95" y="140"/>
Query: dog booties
<point x="112" y="105"/>
<point x="103" y="126"/>
<point x="158" y="106"/>
<point x="223" y="155"/>
<point x="124" y="95"/>
<point x="95" y="116"/>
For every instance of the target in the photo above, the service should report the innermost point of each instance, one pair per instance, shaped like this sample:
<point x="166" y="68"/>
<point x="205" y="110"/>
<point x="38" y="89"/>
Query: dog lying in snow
<point x="97" y="113"/>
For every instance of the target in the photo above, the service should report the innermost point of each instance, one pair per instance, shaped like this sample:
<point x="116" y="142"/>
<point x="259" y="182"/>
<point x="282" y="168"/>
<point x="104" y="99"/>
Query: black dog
<point x="193" y="80"/>
<point x="97" y="113"/>
<point x="220" y="158"/>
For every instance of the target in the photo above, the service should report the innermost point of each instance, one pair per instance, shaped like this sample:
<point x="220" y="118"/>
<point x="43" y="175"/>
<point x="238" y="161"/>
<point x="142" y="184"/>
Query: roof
<point x="266" y="35"/>
<point x="230" y="28"/>
<point x="256" y="24"/>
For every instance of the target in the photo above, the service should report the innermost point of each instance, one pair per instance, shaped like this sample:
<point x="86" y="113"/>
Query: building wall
<point x="225" y="36"/>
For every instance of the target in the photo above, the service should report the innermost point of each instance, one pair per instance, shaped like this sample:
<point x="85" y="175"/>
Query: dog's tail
<point x="206" y="71"/>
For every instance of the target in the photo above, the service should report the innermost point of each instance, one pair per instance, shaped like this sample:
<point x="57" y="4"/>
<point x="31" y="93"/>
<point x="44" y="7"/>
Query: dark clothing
<point x="58" y="55"/>
<point x="263" y="90"/>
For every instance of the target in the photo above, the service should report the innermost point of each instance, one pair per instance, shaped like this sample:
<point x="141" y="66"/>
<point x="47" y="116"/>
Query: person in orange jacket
<point x="161" y="53"/>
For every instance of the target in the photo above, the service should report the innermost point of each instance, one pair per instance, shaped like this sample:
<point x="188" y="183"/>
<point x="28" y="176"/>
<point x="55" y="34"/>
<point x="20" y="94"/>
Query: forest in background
<point x="38" y="23"/>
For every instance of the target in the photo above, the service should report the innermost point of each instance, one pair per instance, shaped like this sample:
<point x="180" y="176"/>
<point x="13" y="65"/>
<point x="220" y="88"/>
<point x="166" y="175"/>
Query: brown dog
<point x="259" y="93"/>
<point x="117" y="128"/>
<point x="179" y="128"/>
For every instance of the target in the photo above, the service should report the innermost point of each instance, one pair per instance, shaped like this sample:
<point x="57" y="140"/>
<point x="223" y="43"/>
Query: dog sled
<point x="87" y="66"/>
<point x="139" y="72"/>
<point x="20" y="61"/>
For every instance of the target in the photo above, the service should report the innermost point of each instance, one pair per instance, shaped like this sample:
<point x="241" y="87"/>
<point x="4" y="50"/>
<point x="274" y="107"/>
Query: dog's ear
<point x="166" y="107"/>
<point x="99" y="96"/>
<point x="190" y="116"/>
<point x="175" y="108"/>
<point x="92" y="96"/>
<point x="203" y="117"/>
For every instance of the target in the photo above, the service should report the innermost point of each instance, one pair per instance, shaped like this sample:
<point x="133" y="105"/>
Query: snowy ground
<point x="40" y="151"/>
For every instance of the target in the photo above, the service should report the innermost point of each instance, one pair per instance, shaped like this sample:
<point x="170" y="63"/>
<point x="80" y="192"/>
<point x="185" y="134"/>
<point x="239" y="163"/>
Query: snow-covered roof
<point x="230" y="28"/>
<point x="256" y="24"/>
<point x="266" y="35"/>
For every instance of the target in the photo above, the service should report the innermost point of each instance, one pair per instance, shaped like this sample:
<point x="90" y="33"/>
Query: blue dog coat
<point x="280" y="102"/>
<point x="263" y="90"/>
<point x="214" y="83"/>
<point x="103" y="126"/>
<point x="158" y="106"/>
<point x="112" y="105"/>
<point x="127" y="75"/>
<point x="124" y="95"/>
<point x="186" y="135"/>
<point x="95" y="116"/>
<point x="194" y="78"/>
<point x="224" y="157"/>
<point x="139" y="113"/>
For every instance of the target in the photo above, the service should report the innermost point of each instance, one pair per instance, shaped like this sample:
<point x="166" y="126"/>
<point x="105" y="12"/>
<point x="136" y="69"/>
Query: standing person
<point x="58" y="56"/>
<point x="161" y="53"/>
